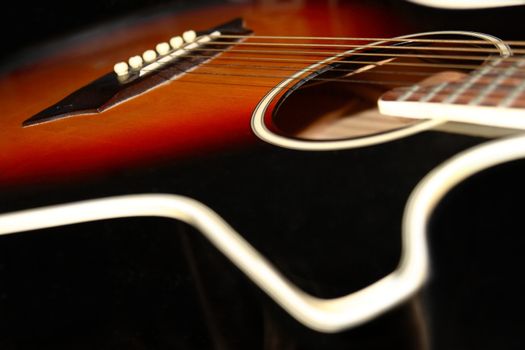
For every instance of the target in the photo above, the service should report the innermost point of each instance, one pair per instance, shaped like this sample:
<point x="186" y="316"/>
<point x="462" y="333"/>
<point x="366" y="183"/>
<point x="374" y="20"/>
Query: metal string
<point x="233" y="54"/>
<point x="474" y="87"/>
<point x="364" y="63"/>
<point x="348" y="46"/>
<point x="345" y="80"/>
<point x="380" y="40"/>
<point x="351" y="54"/>
<point x="295" y="69"/>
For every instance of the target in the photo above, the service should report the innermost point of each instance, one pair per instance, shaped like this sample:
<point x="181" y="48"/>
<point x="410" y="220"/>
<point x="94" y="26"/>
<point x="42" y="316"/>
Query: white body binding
<point x="468" y="4"/>
<point x="325" y="315"/>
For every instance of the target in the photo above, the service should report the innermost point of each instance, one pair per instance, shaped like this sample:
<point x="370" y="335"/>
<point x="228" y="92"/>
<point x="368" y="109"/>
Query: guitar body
<point x="329" y="220"/>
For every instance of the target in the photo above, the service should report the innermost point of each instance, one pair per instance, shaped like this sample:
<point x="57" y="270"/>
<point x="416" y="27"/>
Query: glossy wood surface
<point x="196" y="113"/>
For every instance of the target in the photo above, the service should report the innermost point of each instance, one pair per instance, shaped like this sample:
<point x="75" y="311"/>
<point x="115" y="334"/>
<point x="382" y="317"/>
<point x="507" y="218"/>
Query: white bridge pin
<point x="162" y="48"/>
<point x="176" y="42"/>
<point x="121" y="68"/>
<point x="149" y="56"/>
<point x="135" y="62"/>
<point x="189" y="36"/>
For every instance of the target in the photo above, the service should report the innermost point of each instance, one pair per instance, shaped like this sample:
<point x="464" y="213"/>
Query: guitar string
<point x="347" y="46"/>
<point x="336" y="56"/>
<point x="287" y="87"/>
<point x="344" y="80"/>
<point x="317" y="80"/>
<point x="474" y="89"/>
<point x="345" y="54"/>
<point x="295" y="69"/>
<point x="352" y="54"/>
<point x="355" y="62"/>
<point x="378" y="71"/>
<point x="359" y="62"/>
<point x="376" y="40"/>
<point x="291" y="77"/>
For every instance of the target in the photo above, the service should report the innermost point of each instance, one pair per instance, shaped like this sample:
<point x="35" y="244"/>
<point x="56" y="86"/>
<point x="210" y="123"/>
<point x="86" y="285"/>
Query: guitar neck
<point x="493" y="95"/>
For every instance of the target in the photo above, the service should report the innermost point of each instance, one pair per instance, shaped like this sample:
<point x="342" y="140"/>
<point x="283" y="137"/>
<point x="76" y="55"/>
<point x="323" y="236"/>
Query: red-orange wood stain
<point x="195" y="113"/>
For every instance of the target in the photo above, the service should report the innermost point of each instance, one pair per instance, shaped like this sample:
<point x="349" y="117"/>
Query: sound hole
<point x="341" y="103"/>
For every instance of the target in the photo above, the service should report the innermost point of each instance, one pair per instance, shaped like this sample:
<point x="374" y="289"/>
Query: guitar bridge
<point x="125" y="83"/>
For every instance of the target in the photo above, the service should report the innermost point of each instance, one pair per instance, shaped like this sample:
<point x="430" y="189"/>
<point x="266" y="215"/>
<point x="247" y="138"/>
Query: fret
<point x="409" y="93"/>
<point x="520" y="87"/>
<point x="470" y="82"/>
<point x="493" y="85"/>
<point x="509" y="100"/>
<point x="433" y="92"/>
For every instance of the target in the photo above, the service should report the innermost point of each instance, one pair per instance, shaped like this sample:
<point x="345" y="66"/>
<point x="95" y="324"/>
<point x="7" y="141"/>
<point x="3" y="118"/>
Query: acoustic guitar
<point x="276" y="175"/>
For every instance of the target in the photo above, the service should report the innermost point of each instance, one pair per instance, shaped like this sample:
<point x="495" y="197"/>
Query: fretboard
<point x="493" y="95"/>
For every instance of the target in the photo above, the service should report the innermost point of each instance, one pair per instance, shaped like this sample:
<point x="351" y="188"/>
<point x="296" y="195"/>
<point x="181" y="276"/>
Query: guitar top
<point x="162" y="123"/>
<point x="325" y="164"/>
